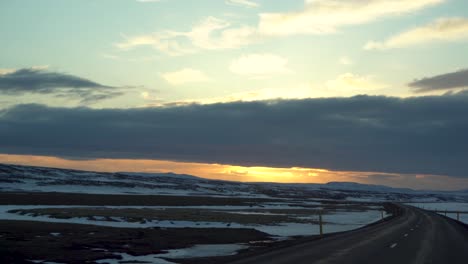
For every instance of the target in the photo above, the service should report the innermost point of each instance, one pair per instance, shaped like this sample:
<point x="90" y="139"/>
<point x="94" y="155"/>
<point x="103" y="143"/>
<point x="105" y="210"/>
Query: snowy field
<point x="15" y="178"/>
<point x="333" y="221"/>
<point x="196" y="251"/>
<point x="301" y="223"/>
<point x="166" y="203"/>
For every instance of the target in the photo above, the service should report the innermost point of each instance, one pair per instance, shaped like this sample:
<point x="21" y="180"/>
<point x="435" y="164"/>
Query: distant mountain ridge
<point x="330" y="185"/>
<point x="44" y="179"/>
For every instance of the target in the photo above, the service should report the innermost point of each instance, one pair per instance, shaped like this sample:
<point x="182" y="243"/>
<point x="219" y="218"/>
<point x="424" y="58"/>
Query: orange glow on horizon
<point x="204" y="170"/>
<point x="242" y="173"/>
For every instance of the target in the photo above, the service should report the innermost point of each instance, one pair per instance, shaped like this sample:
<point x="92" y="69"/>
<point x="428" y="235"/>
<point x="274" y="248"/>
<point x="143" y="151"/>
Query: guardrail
<point x="382" y="216"/>
<point x="445" y="212"/>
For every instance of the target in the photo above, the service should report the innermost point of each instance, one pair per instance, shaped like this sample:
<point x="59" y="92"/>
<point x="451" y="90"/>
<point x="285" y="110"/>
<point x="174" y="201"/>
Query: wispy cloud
<point x="115" y="57"/>
<point x="317" y="17"/>
<point x="202" y="35"/>
<point x="259" y="65"/>
<point x="40" y="81"/>
<point x="441" y="30"/>
<point x="165" y="42"/>
<point x="345" y="60"/>
<point x="447" y="81"/>
<point x="209" y="34"/>
<point x="346" y="84"/>
<point x="185" y="76"/>
<point x="299" y="91"/>
<point x="327" y="16"/>
<point x="245" y="3"/>
<point x="6" y="71"/>
<point x="351" y="83"/>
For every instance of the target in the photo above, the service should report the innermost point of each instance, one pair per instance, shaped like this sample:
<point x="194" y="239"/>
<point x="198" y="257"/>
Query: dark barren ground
<point x="56" y="198"/>
<point x="71" y="243"/>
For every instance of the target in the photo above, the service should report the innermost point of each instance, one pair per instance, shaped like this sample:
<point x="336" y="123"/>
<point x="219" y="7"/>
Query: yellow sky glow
<point x="237" y="173"/>
<point x="205" y="170"/>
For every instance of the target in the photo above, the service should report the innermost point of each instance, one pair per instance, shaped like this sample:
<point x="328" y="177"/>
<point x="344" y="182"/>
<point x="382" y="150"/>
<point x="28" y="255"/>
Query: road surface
<point x="417" y="236"/>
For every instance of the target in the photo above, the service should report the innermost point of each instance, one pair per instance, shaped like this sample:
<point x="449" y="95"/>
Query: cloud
<point x="344" y="60"/>
<point x="166" y="41"/>
<point x="37" y="80"/>
<point x="351" y="83"/>
<point x="40" y="81"/>
<point x="245" y="3"/>
<point x="441" y="30"/>
<point x="458" y="79"/>
<point x="185" y="76"/>
<point x="346" y="84"/>
<point x="327" y="16"/>
<point x="259" y="65"/>
<point x="424" y="135"/>
<point x="229" y="37"/>
<point x="6" y="71"/>
<point x="414" y="181"/>
<point x="299" y="91"/>
<point x="317" y="17"/>
<point x="209" y="34"/>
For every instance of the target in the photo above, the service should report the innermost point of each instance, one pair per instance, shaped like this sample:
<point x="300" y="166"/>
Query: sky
<point x="371" y="91"/>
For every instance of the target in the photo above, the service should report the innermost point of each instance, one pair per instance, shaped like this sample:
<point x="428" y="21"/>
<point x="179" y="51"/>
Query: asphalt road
<point x="416" y="236"/>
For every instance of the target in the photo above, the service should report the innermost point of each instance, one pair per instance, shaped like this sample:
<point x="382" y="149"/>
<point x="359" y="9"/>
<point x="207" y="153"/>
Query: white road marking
<point x="406" y="235"/>
<point x="412" y="229"/>
<point x="393" y="245"/>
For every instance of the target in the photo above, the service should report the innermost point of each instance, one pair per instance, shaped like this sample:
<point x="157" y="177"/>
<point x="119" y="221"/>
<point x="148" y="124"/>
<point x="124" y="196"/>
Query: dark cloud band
<point x="363" y="133"/>
<point x="38" y="81"/>
<point x="458" y="79"/>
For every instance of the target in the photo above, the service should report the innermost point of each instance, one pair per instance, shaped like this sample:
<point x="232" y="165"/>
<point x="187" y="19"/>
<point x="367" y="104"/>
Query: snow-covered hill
<point x="40" y="179"/>
<point x="353" y="186"/>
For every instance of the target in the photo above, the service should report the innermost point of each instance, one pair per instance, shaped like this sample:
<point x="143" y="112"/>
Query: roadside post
<point x="321" y="224"/>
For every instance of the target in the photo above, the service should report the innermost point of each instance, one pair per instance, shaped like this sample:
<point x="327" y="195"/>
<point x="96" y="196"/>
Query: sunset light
<point x="234" y="131"/>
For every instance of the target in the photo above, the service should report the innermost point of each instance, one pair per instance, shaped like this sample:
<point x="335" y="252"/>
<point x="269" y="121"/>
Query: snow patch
<point x="196" y="251"/>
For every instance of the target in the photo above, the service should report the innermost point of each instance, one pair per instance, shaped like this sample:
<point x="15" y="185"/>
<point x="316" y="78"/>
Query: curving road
<point x="416" y="236"/>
